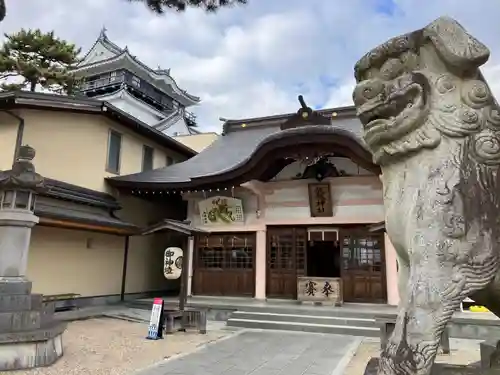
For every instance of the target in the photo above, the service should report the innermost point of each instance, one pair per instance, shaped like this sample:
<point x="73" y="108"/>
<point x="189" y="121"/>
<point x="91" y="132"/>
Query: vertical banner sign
<point x="155" y="329"/>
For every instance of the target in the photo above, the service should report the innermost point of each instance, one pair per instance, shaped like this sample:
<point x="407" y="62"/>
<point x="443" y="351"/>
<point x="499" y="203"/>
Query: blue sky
<point x="254" y="60"/>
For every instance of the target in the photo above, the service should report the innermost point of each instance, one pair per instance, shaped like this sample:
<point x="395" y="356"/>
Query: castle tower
<point x="111" y="73"/>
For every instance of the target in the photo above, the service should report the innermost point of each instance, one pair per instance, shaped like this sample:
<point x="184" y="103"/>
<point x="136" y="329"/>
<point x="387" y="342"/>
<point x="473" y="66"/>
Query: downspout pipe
<point x="20" y="133"/>
<point x="124" y="270"/>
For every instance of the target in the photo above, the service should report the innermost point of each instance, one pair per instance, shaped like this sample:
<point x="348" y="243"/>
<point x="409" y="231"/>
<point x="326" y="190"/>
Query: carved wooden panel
<point x="327" y="290"/>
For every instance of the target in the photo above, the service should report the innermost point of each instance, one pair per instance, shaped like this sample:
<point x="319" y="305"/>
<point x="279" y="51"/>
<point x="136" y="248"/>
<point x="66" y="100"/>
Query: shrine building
<point x="288" y="207"/>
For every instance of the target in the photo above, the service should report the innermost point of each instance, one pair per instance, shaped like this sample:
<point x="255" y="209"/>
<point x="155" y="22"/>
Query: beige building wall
<point x="145" y="258"/>
<point x="8" y="135"/>
<point x="72" y="147"/>
<point x="70" y="261"/>
<point x="197" y="142"/>
<point x="63" y="261"/>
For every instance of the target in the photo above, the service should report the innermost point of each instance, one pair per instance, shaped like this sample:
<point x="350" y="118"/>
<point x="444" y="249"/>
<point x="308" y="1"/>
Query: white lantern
<point x="172" y="263"/>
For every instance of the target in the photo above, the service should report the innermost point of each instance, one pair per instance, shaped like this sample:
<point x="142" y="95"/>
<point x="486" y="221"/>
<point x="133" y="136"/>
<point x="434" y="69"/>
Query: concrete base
<point x="26" y="355"/>
<point x="29" y="335"/>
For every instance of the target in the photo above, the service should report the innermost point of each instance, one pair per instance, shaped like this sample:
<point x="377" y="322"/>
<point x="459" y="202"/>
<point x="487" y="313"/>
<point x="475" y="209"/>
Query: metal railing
<point x="103" y="82"/>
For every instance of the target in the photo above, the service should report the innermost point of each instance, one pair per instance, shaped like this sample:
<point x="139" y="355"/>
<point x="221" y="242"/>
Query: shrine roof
<point x="250" y="144"/>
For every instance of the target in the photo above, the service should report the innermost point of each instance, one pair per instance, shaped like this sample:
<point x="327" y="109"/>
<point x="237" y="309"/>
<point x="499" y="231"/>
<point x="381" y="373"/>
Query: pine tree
<point x="160" y="6"/>
<point x="38" y="59"/>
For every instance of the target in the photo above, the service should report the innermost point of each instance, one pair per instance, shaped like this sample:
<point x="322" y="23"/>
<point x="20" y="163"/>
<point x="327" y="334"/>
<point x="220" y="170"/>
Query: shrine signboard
<point x="326" y="290"/>
<point x="221" y="210"/>
<point x="320" y="200"/>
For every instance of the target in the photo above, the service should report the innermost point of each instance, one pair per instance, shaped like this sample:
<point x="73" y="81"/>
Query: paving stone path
<point x="265" y="353"/>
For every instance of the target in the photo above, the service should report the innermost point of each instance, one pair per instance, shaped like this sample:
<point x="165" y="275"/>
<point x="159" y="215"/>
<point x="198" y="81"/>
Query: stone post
<point x="29" y="336"/>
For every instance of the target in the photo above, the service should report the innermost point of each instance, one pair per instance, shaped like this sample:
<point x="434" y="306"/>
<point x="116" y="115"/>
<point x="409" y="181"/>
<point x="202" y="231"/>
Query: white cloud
<point x="255" y="60"/>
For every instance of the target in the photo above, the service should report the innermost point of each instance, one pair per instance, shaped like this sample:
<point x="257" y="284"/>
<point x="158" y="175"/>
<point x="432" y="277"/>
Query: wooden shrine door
<point x="286" y="250"/>
<point x="363" y="266"/>
<point x="223" y="264"/>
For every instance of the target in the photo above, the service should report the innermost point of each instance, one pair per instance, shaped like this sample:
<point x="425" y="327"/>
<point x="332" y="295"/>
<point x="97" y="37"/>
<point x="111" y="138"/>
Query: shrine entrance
<point x="351" y="253"/>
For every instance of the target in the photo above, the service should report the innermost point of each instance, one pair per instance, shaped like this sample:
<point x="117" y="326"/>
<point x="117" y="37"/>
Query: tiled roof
<point x="237" y="146"/>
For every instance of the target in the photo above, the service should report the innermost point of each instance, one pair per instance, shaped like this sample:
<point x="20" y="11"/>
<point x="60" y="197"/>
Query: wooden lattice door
<point x="286" y="249"/>
<point x="363" y="267"/>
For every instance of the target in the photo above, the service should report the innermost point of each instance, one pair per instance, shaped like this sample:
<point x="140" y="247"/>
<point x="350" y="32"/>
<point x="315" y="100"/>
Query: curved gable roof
<point x="242" y="148"/>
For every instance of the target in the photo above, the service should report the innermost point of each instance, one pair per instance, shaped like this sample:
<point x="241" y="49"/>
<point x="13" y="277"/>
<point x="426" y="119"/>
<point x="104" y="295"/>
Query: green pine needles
<point x="31" y="59"/>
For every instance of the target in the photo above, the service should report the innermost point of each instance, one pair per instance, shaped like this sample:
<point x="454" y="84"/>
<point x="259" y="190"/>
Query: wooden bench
<point x="388" y="323"/>
<point x="192" y="318"/>
<point x="63" y="302"/>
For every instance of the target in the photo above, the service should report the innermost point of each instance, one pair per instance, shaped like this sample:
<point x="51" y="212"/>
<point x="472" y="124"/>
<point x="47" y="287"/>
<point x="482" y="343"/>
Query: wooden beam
<point x="82" y="226"/>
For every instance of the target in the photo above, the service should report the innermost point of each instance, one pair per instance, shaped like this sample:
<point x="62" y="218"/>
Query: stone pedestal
<point x="29" y="335"/>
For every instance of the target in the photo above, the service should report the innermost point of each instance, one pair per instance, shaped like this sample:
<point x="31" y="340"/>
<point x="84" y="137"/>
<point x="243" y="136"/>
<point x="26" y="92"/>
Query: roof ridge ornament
<point x="305" y="116"/>
<point x="23" y="174"/>
<point x="102" y="34"/>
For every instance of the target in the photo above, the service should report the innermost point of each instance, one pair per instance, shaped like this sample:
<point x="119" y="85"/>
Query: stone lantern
<point x="18" y="189"/>
<point x="29" y="337"/>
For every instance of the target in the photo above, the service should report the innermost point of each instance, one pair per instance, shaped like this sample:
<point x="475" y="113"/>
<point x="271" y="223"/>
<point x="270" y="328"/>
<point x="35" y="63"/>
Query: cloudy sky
<point x="254" y="60"/>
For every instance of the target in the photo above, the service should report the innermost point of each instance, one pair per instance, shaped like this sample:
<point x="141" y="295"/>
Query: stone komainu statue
<point x="433" y="126"/>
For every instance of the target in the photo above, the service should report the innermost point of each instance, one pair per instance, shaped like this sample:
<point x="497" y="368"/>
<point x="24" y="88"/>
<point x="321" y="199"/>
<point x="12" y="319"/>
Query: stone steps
<point x="334" y="324"/>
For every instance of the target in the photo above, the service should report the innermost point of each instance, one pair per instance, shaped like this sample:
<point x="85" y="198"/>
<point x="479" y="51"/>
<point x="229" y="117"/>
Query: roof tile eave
<point x="228" y="124"/>
<point x="126" y="54"/>
<point x="180" y="146"/>
<point x="189" y="174"/>
<point x="97" y="106"/>
<point x="108" y="44"/>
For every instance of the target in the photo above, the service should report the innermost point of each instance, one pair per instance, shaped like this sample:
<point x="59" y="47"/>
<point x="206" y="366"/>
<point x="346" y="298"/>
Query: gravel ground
<point x="116" y="347"/>
<point x="463" y="352"/>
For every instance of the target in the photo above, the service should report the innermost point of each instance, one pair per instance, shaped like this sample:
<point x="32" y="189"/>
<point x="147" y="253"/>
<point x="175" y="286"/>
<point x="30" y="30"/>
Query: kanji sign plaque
<point x="320" y="200"/>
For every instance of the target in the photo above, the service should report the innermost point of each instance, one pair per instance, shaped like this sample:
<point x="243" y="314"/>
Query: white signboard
<point x="155" y="328"/>
<point x="172" y="263"/>
<point x="221" y="211"/>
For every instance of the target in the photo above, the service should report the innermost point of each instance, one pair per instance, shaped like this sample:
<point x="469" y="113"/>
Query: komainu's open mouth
<point x="397" y="104"/>
<point x="398" y="115"/>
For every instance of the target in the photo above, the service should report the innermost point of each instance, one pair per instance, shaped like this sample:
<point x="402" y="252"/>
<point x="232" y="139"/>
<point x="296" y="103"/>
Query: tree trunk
<point x="33" y="86"/>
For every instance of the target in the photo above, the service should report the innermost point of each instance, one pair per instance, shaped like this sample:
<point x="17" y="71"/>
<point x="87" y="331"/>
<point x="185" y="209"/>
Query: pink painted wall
<point x="391" y="272"/>
<point x="260" y="265"/>
<point x="356" y="200"/>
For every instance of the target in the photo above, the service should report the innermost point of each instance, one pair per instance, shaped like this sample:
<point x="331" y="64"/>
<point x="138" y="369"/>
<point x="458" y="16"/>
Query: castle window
<point x="147" y="158"/>
<point x="114" y="151"/>
<point x="169" y="161"/>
